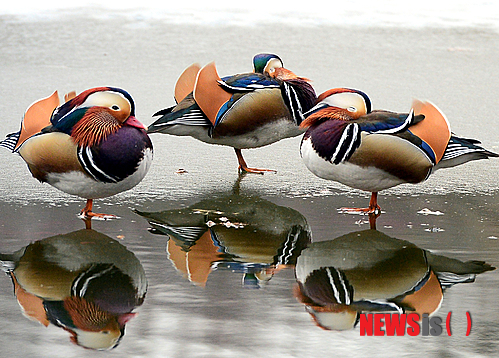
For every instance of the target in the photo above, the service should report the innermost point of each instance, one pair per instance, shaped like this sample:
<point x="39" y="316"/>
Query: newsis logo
<point x="380" y="324"/>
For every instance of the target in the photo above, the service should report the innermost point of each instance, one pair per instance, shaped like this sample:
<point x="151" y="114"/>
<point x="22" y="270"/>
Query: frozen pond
<point x="221" y="253"/>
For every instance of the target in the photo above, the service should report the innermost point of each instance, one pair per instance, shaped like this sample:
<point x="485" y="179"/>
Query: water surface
<point x="192" y="309"/>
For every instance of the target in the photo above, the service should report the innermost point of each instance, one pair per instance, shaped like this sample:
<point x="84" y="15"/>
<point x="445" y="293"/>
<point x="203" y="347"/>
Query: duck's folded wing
<point x="247" y="82"/>
<point x="385" y="122"/>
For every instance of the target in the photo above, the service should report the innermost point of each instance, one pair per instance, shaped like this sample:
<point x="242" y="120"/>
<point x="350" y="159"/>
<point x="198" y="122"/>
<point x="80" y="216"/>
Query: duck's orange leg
<point x="372" y="209"/>
<point x="87" y="213"/>
<point x="372" y="220"/>
<point x="373" y="204"/>
<point x="243" y="167"/>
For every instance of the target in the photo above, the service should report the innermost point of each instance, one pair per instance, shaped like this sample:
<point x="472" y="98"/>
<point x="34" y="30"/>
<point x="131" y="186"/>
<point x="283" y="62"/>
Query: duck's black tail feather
<point x="462" y="150"/>
<point x="11" y="141"/>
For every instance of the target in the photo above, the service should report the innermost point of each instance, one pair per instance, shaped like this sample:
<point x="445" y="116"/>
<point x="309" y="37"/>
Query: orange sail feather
<point x="434" y="129"/>
<point x="37" y="117"/>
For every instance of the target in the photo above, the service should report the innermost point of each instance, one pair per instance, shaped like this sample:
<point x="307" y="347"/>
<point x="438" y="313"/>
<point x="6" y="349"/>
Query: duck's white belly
<point x="82" y="185"/>
<point x="262" y="136"/>
<point x="367" y="178"/>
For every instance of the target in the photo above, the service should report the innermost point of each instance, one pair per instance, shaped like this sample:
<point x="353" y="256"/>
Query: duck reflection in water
<point x="368" y="272"/>
<point x="242" y="233"/>
<point x="83" y="282"/>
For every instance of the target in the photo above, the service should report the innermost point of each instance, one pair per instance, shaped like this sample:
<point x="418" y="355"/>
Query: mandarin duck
<point x="241" y="233"/>
<point x="243" y="111"/>
<point x="346" y="141"/>
<point x="83" y="282"/>
<point x="368" y="271"/>
<point x="91" y="146"/>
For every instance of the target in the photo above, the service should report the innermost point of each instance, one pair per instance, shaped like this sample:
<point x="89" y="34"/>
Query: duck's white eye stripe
<point x="352" y="102"/>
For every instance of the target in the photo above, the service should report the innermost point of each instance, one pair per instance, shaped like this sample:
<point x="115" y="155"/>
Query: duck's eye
<point x="115" y="108"/>
<point x="352" y="109"/>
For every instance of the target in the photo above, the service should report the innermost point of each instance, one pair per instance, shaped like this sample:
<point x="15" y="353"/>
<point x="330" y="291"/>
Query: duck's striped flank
<point x="81" y="283"/>
<point x="287" y="250"/>
<point x="86" y="160"/>
<point x="293" y="103"/>
<point x="342" y="291"/>
<point x="349" y="142"/>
